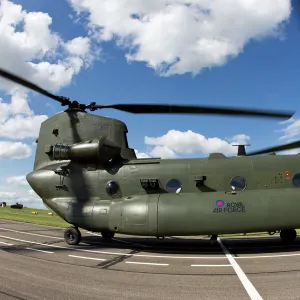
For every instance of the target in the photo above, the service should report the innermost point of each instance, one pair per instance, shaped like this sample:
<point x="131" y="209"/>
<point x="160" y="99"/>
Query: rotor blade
<point x="178" y="109"/>
<point x="290" y="146"/>
<point x="22" y="81"/>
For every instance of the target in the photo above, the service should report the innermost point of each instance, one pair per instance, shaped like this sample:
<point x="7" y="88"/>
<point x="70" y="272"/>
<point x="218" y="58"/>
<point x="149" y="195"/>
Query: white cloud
<point x="291" y="130"/>
<point x="8" y="195"/>
<point x="188" y="142"/>
<point x="163" y="152"/>
<point x="21" y="127"/>
<point x="27" y="198"/>
<point x="17" y="180"/>
<point x="17" y="120"/>
<point x="290" y="152"/>
<point x="178" y="36"/>
<point x="141" y="154"/>
<point x="30" y="49"/>
<point x="13" y="150"/>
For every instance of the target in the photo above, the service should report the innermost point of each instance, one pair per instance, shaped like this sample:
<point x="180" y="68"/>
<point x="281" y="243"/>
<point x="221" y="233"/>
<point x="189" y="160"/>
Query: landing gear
<point x="72" y="235"/>
<point x="288" y="235"/>
<point x="213" y="239"/>
<point x="107" y="235"/>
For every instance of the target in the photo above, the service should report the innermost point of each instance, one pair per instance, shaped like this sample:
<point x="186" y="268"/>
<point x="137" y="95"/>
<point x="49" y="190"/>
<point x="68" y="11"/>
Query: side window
<point x="112" y="188"/>
<point x="296" y="180"/>
<point x="238" y="183"/>
<point x="173" y="186"/>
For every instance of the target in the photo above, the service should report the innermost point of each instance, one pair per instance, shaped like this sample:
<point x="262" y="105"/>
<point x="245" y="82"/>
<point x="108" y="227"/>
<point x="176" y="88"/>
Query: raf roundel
<point x="220" y="203"/>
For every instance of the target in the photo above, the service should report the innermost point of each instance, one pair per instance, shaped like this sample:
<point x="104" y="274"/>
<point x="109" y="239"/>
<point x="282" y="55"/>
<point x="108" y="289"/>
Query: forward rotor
<point x="148" y="108"/>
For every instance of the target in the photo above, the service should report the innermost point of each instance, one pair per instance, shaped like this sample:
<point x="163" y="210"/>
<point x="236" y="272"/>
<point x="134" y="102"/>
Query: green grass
<point x="24" y="215"/>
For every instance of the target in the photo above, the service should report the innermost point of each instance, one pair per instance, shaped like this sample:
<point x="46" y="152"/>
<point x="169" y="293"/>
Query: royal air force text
<point x="232" y="207"/>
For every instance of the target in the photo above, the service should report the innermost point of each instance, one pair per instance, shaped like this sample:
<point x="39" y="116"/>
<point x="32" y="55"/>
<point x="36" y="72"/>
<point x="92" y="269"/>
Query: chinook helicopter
<point x="86" y="173"/>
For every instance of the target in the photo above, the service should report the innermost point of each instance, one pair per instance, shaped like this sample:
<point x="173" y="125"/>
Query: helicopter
<point x="85" y="171"/>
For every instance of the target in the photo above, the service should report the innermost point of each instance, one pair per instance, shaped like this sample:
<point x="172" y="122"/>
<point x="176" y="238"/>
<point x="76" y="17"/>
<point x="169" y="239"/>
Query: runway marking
<point x="115" y="253"/>
<point x="120" y="241"/>
<point x="267" y="256"/>
<point x="145" y="263"/>
<point x="38" y="250"/>
<point x="229" y="265"/>
<point x="85" y="257"/>
<point x="30" y="233"/>
<point x="252" y="292"/>
<point x="6" y="244"/>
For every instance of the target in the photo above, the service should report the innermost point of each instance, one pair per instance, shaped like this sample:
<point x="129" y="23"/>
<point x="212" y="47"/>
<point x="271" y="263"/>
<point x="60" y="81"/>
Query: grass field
<point x="42" y="218"/>
<point x="25" y="215"/>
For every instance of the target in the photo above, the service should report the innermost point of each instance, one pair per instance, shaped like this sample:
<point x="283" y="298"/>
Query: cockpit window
<point x="125" y="140"/>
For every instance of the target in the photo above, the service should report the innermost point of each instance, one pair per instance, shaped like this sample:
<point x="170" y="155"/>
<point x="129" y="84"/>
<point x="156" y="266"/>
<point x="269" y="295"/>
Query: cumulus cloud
<point x="176" y="36"/>
<point x="14" y="150"/>
<point x="9" y="195"/>
<point x="141" y="154"/>
<point x="29" y="48"/>
<point x="17" y="120"/>
<point x="176" y="142"/>
<point x="27" y="198"/>
<point x="17" y="180"/>
<point x="291" y="129"/>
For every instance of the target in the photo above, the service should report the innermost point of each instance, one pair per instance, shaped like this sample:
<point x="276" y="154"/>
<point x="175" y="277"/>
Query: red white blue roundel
<point x="220" y="203"/>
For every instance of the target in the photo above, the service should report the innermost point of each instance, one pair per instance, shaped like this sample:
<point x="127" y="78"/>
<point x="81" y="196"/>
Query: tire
<point x="288" y="235"/>
<point x="72" y="236"/>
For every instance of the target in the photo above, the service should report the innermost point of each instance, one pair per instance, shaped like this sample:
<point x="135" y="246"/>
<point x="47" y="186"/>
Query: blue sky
<point x="257" y="67"/>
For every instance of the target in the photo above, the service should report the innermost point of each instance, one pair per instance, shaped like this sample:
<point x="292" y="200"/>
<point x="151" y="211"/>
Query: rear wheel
<point x="288" y="235"/>
<point x="72" y="235"/>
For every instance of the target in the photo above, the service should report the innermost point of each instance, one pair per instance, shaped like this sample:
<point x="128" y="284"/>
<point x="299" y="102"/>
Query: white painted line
<point x="211" y="265"/>
<point x="38" y="250"/>
<point x="6" y="244"/>
<point x="30" y="233"/>
<point x="120" y="241"/>
<point x="145" y="263"/>
<point x="267" y="256"/>
<point x="113" y="253"/>
<point x="85" y="257"/>
<point x="252" y="292"/>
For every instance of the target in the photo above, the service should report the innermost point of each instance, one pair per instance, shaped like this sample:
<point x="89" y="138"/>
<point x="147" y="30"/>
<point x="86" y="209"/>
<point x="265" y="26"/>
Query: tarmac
<point x="36" y="263"/>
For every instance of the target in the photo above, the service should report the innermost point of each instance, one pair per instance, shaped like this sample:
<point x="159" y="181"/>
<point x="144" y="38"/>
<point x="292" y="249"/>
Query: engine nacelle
<point x="102" y="151"/>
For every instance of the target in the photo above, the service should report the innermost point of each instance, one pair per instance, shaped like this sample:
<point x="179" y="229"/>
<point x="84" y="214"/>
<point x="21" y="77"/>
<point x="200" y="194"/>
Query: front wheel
<point x="288" y="235"/>
<point x="72" y="236"/>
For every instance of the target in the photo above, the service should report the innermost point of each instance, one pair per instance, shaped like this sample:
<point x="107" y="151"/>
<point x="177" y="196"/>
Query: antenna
<point x="241" y="149"/>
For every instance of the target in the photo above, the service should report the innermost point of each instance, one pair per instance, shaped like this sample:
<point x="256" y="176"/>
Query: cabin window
<point x="238" y="183"/>
<point x="173" y="186"/>
<point x="125" y="140"/>
<point x="112" y="188"/>
<point x="296" y="180"/>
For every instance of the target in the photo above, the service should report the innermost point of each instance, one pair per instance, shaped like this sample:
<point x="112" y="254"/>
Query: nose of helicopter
<point x="39" y="181"/>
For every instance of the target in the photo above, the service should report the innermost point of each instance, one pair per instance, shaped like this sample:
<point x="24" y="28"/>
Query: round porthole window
<point x="173" y="186"/>
<point x="238" y="183"/>
<point x="112" y="188"/>
<point x="296" y="180"/>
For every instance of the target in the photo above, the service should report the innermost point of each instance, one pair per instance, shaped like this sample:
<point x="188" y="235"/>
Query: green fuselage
<point x="206" y="203"/>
